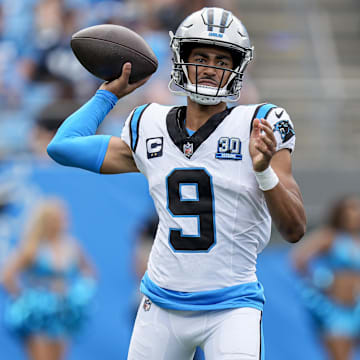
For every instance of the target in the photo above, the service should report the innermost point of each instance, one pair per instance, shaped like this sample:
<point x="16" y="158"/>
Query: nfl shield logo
<point x="147" y="305"/>
<point x="188" y="149"/>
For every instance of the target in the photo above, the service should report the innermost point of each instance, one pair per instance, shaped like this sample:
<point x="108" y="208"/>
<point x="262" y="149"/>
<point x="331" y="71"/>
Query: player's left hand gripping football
<point x="262" y="145"/>
<point x="120" y="86"/>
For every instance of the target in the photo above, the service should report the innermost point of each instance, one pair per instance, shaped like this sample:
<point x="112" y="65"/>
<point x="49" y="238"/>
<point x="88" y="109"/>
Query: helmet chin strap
<point x="200" y="98"/>
<point x="202" y="94"/>
<point x="204" y="100"/>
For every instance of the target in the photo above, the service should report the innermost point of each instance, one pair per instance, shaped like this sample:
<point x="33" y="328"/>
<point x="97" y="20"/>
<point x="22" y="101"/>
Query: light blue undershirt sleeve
<point x="75" y="143"/>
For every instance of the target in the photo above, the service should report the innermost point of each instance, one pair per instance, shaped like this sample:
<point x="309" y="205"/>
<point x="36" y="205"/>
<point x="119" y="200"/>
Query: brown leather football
<point x="103" y="49"/>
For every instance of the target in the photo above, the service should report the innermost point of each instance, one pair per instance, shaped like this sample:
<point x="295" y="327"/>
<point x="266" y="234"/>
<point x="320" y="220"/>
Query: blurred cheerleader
<point x="329" y="264"/>
<point x="50" y="282"/>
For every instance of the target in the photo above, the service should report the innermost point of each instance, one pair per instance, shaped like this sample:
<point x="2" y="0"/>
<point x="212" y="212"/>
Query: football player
<point x="218" y="177"/>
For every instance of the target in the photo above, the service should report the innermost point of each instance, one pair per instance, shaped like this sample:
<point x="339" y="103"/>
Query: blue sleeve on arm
<point x="75" y="143"/>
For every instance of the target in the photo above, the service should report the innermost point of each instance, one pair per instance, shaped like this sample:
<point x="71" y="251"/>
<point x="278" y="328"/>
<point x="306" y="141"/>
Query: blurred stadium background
<point x="307" y="59"/>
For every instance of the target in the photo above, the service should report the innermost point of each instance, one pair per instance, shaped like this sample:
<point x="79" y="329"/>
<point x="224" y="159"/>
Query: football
<point x="103" y="50"/>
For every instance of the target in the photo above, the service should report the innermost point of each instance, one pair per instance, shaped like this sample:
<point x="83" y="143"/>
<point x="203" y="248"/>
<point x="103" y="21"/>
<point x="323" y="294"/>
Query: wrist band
<point x="267" y="179"/>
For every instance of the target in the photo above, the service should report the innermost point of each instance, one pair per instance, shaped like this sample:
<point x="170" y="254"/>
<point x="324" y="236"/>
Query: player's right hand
<point x="120" y="86"/>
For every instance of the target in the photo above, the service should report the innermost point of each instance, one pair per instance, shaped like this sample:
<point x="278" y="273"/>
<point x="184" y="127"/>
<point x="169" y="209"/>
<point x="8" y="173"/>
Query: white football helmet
<point x="214" y="27"/>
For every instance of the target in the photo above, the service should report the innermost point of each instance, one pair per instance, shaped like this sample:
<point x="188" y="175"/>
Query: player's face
<point x="213" y="56"/>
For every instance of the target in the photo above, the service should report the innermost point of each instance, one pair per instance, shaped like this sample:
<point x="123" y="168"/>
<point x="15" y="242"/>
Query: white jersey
<point x="213" y="218"/>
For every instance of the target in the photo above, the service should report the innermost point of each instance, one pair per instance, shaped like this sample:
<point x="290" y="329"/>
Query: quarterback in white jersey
<point x="213" y="218"/>
<point x="218" y="177"/>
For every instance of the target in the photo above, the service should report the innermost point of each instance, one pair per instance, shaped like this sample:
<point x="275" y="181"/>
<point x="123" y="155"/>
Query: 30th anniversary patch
<point x="229" y="149"/>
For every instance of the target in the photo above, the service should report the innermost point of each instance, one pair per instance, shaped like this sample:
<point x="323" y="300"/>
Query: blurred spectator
<point x="46" y="125"/>
<point x="50" y="281"/>
<point x="16" y="51"/>
<point x="55" y="23"/>
<point x="329" y="265"/>
<point x="167" y="14"/>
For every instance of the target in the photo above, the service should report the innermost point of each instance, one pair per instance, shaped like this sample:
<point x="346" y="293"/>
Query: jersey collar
<point x="175" y="122"/>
